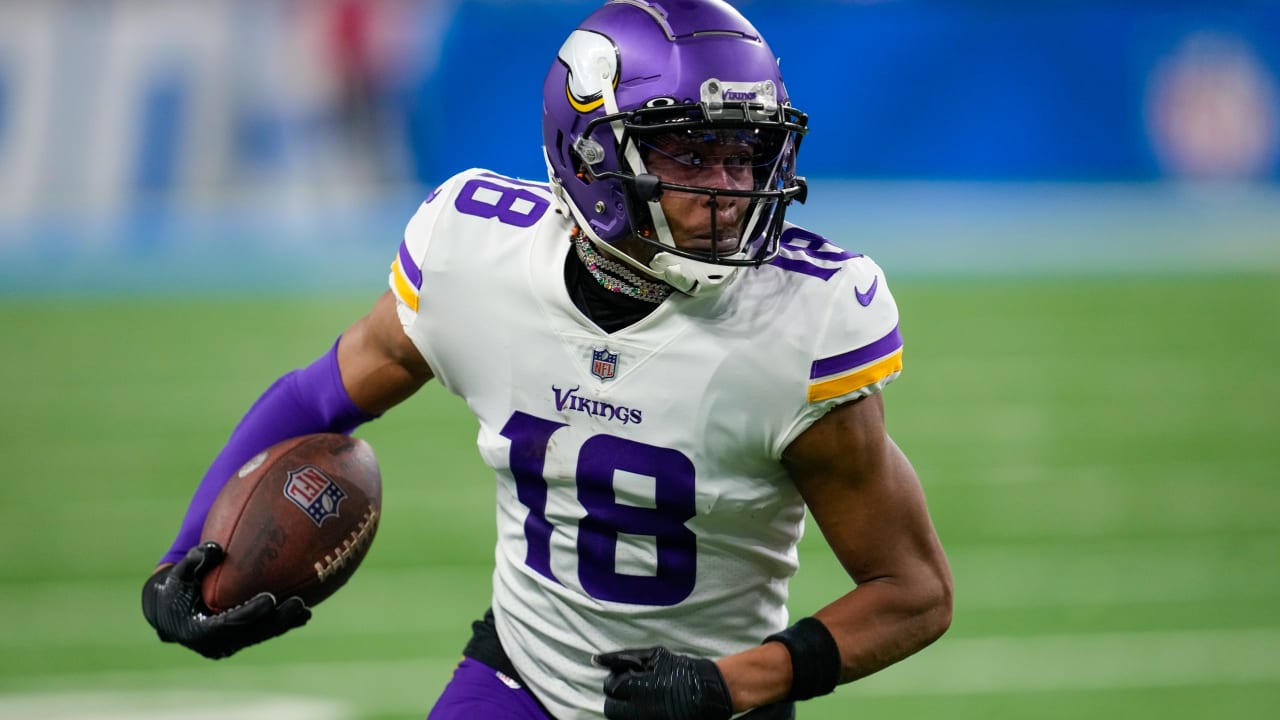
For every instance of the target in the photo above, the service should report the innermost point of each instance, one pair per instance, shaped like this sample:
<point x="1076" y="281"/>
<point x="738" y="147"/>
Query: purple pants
<point x="479" y="691"/>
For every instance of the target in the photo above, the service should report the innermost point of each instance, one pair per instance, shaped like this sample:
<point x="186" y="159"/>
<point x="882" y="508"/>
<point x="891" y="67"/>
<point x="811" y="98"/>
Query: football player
<point x="667" y="375"/>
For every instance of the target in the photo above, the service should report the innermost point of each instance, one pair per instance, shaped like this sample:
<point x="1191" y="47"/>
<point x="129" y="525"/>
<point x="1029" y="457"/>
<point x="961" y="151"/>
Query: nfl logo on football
<point x="315" y="492"/>
<point x="604" y="364"/>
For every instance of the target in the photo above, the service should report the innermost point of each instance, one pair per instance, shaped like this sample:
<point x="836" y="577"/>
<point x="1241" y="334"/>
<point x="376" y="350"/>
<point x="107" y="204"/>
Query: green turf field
<point x="1101" y="457"/>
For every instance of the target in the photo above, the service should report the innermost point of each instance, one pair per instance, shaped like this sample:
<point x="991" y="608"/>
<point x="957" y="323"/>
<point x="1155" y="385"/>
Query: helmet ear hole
<point x="558" y="148"/>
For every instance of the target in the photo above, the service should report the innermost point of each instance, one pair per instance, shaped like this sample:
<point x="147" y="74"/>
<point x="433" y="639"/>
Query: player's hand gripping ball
<point x="172" y="605"/>
<point x="295" y="521"/>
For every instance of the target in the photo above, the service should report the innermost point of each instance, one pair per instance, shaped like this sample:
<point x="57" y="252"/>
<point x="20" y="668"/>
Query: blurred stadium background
<point x="1078" y="202"/>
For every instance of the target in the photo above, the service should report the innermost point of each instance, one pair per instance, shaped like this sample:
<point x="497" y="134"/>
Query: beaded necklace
<point x="616" y="277"/>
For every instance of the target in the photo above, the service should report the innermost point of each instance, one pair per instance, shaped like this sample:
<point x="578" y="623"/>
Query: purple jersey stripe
<point x="803" y="266"/>
<point x="410" y="268"/>
<point x="855" y="358"/>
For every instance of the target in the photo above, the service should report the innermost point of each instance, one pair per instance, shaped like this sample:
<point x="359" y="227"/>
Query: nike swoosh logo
<point x="864" y="298"/>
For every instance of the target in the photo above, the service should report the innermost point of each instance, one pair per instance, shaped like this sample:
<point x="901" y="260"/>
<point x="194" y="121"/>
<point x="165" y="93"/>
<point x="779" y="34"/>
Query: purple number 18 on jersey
<point x="599" y="459"/>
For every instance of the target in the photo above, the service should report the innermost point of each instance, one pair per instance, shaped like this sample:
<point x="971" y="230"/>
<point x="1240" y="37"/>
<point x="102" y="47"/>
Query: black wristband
<point x="815" y="658"/>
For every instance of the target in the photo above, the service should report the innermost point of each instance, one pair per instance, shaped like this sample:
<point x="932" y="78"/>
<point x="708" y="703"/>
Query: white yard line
<point x="165" y="705"/>
<point x="311" y="691"/>
<point x="953" y="667"/>
<point x="969" y="666"/>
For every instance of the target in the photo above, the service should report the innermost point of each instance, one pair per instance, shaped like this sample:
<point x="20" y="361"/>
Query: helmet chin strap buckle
<point x="689" y="276"/>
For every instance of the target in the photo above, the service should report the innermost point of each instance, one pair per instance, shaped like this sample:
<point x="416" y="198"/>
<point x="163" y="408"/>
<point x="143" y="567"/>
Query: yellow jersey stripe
<point x="874" y="373"/>
<point x="405" y="290"/>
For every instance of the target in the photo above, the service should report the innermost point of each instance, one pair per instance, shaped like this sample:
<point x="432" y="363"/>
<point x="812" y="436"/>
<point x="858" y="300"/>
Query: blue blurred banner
<point x="125" y="124"/>
<point x="1082" y="90"/>
<point x="111" y="100"/>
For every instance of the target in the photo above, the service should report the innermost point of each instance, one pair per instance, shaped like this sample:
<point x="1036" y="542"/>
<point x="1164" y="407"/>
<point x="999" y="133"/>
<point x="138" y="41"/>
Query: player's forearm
<point x="875" y="626"/>
<point x="301" y="402"/>
<point x="879" y="623"/>
<point x="759" y="676"/>
<point x="886" y="620"/>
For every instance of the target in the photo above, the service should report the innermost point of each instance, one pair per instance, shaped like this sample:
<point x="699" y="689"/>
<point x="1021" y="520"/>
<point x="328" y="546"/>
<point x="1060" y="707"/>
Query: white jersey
<point x="640" y="496"/>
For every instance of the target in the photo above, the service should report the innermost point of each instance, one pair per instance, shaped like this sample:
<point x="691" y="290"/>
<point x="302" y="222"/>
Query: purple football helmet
<point x="638" y="71"/>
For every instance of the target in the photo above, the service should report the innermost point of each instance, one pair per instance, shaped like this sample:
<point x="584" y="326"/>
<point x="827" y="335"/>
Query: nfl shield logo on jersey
<point x="604" y="364"/>
<point x="315" y="492"/>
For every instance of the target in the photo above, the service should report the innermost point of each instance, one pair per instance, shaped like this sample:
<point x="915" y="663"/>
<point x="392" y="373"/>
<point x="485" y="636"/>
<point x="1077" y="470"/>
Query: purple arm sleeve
<point x="310" y="400"/>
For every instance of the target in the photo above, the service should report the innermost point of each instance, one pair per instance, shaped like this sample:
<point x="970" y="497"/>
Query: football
<point x="296" y="519"/>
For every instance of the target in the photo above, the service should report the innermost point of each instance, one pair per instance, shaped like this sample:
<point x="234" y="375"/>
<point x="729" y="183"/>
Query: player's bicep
<point x="864" y="494"/>
<point x="380" y="365"/>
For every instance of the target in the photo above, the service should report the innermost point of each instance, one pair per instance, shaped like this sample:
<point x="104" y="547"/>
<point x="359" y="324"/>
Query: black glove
<point x="172" y="603"/>
<point x="657" y="684"/>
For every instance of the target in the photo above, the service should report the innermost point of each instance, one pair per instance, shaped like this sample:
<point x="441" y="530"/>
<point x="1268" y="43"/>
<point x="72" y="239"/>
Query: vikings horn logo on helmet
<point x="591" y="59"/>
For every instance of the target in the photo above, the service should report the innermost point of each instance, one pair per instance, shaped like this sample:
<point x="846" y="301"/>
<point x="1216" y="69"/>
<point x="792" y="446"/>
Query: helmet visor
<point x="740" y="167"/>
